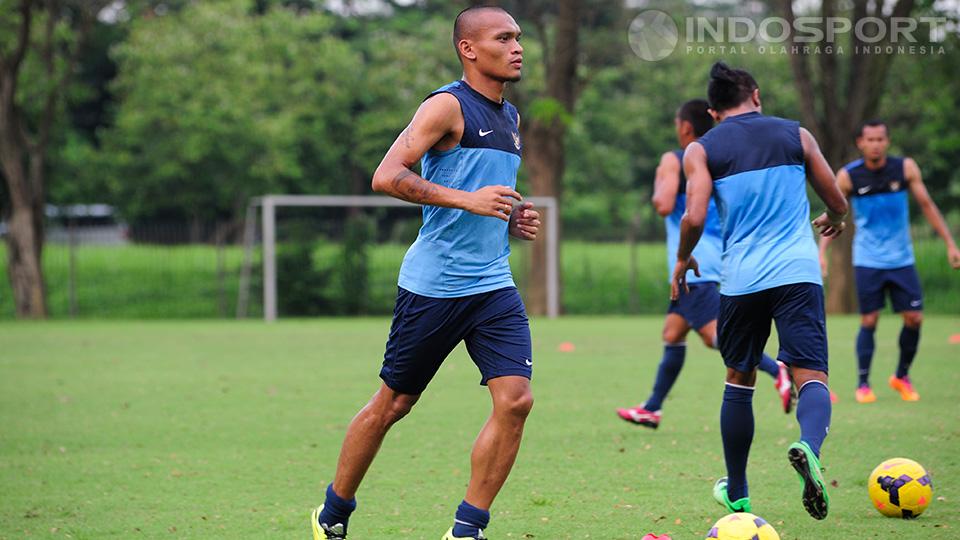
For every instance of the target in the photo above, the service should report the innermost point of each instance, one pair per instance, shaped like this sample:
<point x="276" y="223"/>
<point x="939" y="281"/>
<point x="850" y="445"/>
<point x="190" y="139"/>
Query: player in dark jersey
<point x="756" y="167"/>
<point x="877" y="186"/>
<point x="698" y="309"/>
<point x="455" y="283"/>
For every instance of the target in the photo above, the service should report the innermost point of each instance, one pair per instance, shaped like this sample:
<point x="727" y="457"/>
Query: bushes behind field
<point x="353" y="277"/>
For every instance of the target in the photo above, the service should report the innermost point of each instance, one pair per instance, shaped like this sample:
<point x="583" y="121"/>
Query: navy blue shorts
<point x="699" y="306"/>
<point x="425" y="330"/>
<point x="903" y="284"/>
<point x="797" y="309"/>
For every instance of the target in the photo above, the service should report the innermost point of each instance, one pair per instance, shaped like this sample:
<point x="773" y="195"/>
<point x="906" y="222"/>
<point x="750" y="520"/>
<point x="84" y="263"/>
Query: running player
<point x="756" y="167"/>
<point x="877" y="186"/>
<point x="455" y="282"/>
<point x="698" y="309"/>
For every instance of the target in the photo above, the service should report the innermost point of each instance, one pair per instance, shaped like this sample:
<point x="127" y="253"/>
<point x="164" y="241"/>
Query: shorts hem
<point x="507" y="373"/>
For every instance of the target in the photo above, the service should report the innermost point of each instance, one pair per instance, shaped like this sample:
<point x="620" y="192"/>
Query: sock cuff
<point x="867" y="329"/>
<point x="731" y="385"/>
<point x="682" y="344"/>
<point x="471" y="516"/>
<point x="814" y="381"/>
<point x="339" y="502"/>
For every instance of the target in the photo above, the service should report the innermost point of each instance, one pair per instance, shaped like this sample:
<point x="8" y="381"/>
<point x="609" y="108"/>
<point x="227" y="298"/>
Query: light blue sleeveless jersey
<point x="759" y="177"/>
<point x="458" y="253"/>
<point x="710" y="248"/>
<point x="882" y="214"/>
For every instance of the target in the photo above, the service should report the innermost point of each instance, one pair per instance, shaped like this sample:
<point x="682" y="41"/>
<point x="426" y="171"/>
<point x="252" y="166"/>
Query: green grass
<point x="150" y="282"/>
<point x="231" y="430"/>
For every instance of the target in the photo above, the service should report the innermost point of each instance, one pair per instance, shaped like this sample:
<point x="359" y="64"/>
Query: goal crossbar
<point x="268" y="204"/>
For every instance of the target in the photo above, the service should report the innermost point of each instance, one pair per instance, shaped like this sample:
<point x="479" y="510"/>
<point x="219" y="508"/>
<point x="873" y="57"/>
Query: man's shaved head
<point x="468" y="21"/>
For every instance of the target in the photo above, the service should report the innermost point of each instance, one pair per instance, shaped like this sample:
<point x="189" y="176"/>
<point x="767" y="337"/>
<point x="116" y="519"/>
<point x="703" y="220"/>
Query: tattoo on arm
<point x="413" y="188"/>
<point x="407" y="138"/>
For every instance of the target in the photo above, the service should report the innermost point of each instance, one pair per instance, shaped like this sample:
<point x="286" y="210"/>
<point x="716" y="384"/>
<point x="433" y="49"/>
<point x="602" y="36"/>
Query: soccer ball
<point x="742" y="526"/>
<point x="900" y="487"/>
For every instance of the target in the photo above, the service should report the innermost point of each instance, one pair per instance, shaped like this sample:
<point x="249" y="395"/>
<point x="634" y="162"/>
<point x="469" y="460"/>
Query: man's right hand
<point x="493" y="201"/>
<point x="830" y="228"/>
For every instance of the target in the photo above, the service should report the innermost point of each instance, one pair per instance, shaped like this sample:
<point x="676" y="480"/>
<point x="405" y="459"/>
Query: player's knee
<point x="673" y="336"/>
<point x="869" y="320"/>
<point x="710" y="340"/>
<point x="517" y="406"/>
<point x="395" y="411"/>
<point x="913" y="319"/>
<point x="741" y="378"/>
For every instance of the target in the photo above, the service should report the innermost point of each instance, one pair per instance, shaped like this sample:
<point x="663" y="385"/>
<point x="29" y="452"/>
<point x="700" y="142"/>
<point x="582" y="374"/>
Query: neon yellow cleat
<point x="324" y="532"/>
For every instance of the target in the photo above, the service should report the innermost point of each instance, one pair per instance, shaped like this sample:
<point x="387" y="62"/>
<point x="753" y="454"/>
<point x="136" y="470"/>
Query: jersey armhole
<point x="462" y="117"/>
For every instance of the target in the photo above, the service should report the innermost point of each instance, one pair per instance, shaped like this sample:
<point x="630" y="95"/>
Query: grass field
<point x="231" y="430"/>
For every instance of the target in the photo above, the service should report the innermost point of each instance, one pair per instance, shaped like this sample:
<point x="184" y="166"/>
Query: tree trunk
<point x="25" y="227"/>
<point x="544" y="163"/>
<point x="843" y="106"/>
<point x="544" y="140"/>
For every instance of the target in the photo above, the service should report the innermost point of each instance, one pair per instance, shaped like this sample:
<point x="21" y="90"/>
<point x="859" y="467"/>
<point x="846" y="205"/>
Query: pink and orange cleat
<point x="865" y="394"/>
<point x="904" y="387"/>
<point x="784" y="385"/>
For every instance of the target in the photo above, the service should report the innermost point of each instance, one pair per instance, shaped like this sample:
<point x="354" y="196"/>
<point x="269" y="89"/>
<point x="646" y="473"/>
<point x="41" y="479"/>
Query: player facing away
<point x="756" y="167"/>
<point x="455" y="282"/>
<point x="698" y="308"/>
<point x="877" y="186"/>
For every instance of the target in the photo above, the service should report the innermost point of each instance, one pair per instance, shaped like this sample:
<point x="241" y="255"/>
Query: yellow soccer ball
<point x="742" y="526"/>
<point x="900" y="487"/>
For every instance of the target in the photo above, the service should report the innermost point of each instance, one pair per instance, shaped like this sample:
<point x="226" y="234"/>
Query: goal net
<point x="327" y="255"/>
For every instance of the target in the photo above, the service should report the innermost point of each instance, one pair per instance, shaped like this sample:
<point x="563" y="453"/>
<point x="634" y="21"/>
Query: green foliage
<point x="354" y="265"/>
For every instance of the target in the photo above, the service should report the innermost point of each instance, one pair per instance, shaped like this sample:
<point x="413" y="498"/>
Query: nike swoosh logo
<point x="863" y="190"/>
<point x="528" y="361"/>
<point x="485" y="133"/>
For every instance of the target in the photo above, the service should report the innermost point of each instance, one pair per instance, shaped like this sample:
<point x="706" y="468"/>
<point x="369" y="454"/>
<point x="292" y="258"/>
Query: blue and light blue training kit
<point x="701" y="304"/>
<point x="771" y="268"/>
<point x="710" y="248"/>
<point x="455" y="282"/>
<point x="882" y="248"/>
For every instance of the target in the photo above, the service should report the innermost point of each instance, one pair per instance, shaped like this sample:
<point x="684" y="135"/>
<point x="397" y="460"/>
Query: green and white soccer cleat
<point x="450" y="536"/>
<point x="720" y="495"/>
<point x="805" y="462"/>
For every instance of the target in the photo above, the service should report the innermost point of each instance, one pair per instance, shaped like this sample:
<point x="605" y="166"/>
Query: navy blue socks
<point x="909" y="339"/>
<point x="770" y="366"/>
<point x="813" y="413"/>
<point x="469" y="521"/>
<point x="736" y="429"/>
<point x="667" y="373"/>
<point x="336" y="509"/>
<point x="865" y="353"/>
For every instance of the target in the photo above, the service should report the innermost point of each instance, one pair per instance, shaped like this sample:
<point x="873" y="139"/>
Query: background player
<point x="455" y="281"/>
<point x="883" y="262"/>
<point x="756" y="167"/>
<point x="698" y="308"/>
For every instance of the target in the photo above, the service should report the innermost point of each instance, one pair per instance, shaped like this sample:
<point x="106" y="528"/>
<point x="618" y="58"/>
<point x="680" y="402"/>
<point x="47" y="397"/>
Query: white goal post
<point x="268" y="204"/>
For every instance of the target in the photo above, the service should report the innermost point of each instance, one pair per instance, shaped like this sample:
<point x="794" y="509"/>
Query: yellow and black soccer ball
<point x="742" y="526"/>
<point x="900" y="487"/>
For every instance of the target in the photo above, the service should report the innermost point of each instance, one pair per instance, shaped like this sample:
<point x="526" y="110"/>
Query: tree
<point x="836" y="97"/>
<point x="31" y="92"/>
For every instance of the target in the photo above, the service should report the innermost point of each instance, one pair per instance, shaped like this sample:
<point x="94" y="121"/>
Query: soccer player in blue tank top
<point x="756" y="168"/>
<point x="883" y="261"/>
<point x="455" y="282"/>
<point x="698" y="309"/>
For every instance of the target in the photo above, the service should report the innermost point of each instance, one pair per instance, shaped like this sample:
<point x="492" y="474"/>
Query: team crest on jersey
<point x="516" y="140"/>
<point x="895" y="185"/>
